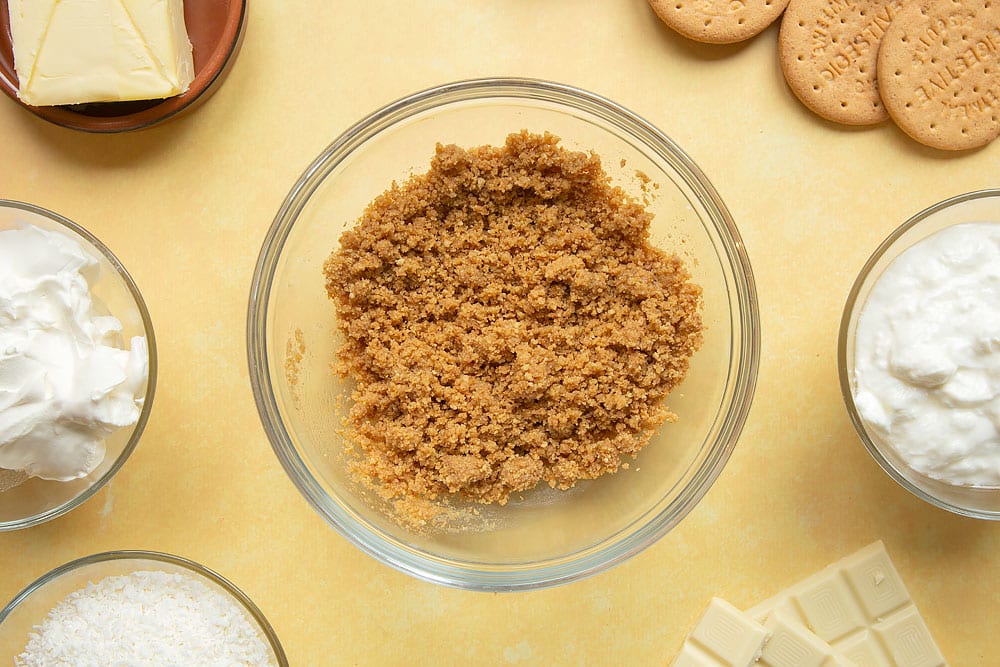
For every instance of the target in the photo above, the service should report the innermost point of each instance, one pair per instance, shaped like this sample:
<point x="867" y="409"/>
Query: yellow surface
<point x="186" y="207"/>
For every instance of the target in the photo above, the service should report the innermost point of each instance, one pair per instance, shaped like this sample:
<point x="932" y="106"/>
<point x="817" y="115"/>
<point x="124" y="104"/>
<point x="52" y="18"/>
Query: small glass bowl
<point x="30" y="607"/>
<point x="979" y="206"/>
<point x="35" y="501"/>
<point x="543" y="537"/>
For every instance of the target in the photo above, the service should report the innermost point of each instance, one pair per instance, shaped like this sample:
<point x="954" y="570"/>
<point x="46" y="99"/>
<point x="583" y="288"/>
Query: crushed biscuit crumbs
<point x="295" y="351"/>
<point x="507" y="322"/>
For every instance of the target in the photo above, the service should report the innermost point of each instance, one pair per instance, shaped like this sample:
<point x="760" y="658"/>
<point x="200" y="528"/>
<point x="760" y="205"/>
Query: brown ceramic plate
<point x="215" y="28"/>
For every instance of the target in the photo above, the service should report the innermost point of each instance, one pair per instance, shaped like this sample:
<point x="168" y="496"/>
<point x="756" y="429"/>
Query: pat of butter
<point x="74" y="51"/>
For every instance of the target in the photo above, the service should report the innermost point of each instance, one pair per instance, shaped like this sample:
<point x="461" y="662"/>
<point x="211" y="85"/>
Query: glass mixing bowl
<point x="543" y="537"/>
<point x="30" y="607"/>
<point x="979" y="206"/>
<point x="34" y="501"/>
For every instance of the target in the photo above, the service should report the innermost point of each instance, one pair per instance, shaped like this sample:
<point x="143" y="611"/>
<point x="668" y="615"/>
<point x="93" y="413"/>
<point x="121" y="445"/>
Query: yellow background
<point x="186" y="206"/>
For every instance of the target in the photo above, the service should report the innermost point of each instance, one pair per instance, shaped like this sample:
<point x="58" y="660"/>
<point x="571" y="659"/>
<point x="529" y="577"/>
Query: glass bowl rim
<point x="844" y="374"/>
<point x="615" y="548"/>
<point x="137" y="554"/>
<point x="147" y="325"/>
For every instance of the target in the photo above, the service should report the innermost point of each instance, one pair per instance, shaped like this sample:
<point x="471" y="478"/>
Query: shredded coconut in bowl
<point x="146" y="618"/>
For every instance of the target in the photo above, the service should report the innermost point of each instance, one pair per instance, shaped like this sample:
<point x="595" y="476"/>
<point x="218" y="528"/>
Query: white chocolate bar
<point x="861" y="609"/>
<point x="792" y="645"/>
<point x="724" y="637"/>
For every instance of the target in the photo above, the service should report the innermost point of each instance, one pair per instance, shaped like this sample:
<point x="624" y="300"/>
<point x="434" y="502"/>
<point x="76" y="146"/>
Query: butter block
<point x="724" y="637"/>
<point x="75" y="51"/>
<point x="860" y="607"/>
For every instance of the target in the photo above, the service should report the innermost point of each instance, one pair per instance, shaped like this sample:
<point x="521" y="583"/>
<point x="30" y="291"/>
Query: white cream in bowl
<point x="927" y="356"/>
<point x="66" y="379"/>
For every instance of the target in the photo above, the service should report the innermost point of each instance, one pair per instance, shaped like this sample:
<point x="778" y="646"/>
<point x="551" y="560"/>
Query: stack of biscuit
<point x="932" y="66"/>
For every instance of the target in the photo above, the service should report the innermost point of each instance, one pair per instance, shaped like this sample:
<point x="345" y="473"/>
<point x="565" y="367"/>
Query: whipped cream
<point x="65" y="382"/>
<point x="927" y="355"/>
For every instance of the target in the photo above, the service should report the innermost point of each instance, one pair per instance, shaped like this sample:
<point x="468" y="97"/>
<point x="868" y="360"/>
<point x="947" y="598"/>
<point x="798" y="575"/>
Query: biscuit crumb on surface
<point x="295" y="351"/>
<point x="506" y="322"/>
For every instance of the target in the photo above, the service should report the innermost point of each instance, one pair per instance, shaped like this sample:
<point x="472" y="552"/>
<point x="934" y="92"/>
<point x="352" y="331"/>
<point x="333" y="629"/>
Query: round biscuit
<point x="718" y="21"/>
<point x="939" y="72"/>
<point x="828" y="51"/>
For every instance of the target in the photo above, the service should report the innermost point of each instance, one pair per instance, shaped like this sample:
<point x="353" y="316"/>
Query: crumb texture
<point x="507" y="322"/>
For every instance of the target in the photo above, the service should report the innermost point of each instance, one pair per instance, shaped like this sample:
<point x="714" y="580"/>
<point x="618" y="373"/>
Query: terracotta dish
<point x="215" y="28"/>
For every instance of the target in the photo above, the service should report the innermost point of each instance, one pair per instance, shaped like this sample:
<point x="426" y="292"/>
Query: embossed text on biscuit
<point x="860" y="44"/>
<point x="935" y="33"/>
<point x="978" y="57"/>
